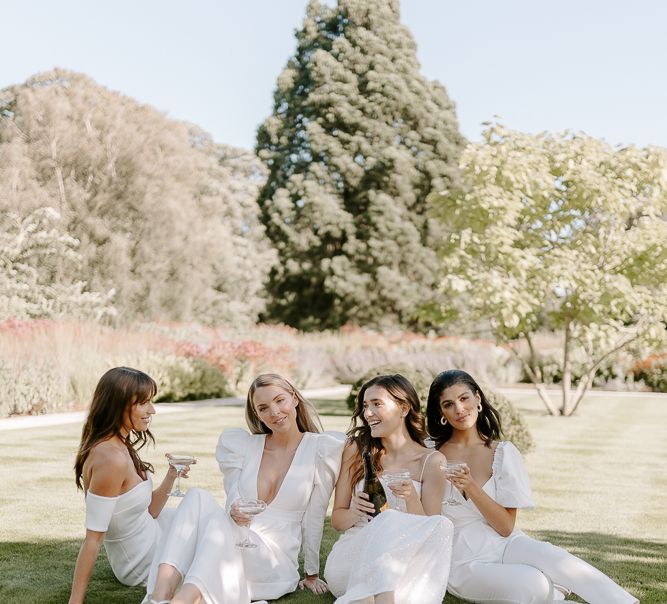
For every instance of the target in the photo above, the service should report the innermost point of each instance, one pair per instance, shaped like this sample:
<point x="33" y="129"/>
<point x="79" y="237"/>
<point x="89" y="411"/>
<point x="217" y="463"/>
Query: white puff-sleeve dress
<point x="490" y="568"/>
<point x="201" y="544"/>
<point x="407" y="554"/>
<point x="131" y="535"/>
<point x="296" y="515"/>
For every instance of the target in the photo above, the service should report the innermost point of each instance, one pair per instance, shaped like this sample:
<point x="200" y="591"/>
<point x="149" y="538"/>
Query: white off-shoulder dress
<point x="407" y="554"/>
<point x="490" y="568"/>
<point x="132" y="534"/>
<point x="201" y="543"/>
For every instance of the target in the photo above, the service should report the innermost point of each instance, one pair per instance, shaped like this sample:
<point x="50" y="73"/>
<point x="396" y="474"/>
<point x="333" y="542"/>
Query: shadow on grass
<point x="41" y="573"/>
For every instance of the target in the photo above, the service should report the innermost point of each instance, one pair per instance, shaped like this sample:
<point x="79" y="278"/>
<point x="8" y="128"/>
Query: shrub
<point x="515" y="428"/>
<point x="652" y="371"/>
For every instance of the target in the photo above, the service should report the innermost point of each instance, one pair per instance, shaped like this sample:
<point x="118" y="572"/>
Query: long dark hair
<point x="488" y="420"/>
<point x="117" y="391"/>
<point x="307" y="419"/>
<point x="402" y="391"/>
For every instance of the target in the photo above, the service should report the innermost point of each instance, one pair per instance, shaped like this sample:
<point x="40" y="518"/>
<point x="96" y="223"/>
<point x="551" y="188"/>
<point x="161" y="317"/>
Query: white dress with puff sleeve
<point x="201" y="543"/>
<point x="490" y="568"/>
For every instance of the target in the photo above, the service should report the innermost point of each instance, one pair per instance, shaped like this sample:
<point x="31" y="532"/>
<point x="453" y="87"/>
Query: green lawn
<point x="598" y="480"/>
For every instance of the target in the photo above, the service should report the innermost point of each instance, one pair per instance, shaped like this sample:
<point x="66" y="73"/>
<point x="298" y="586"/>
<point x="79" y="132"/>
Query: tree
<point x="163" y="214"/>
<point x="559" y="233"/>
<point x="35" y="256"/>
<point x="356" y="141"/>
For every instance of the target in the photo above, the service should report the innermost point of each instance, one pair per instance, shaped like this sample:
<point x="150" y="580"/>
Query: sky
<point x="596" y="66"/>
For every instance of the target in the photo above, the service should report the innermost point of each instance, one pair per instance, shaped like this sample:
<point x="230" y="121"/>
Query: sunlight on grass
<point x="598" y="480"/>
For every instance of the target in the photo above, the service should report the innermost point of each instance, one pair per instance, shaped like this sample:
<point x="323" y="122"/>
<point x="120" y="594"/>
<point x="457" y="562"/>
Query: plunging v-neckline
<point x="260" y="456"/>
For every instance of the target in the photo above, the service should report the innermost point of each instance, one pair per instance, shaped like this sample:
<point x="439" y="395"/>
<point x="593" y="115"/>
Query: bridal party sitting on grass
<point x="415" y="520"/>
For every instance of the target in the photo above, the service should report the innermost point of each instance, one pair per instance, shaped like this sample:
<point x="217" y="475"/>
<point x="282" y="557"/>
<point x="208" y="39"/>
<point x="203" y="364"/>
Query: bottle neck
<point x="369" y="472"/>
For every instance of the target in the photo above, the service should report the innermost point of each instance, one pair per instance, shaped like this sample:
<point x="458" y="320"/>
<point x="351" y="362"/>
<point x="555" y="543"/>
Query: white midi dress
<point x="490" y="568"/>
<point x="132" y="534"/>
<point x="405" y="553"/>
<point x="201" y="543"/>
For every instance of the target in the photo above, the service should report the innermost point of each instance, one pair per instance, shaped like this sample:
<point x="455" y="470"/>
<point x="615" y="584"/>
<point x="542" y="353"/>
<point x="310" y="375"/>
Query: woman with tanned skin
<point x="396" y="557"/>
<point x="284" y="461"/>
<point x="122" y="510"/>
<point x="493" y="561"/>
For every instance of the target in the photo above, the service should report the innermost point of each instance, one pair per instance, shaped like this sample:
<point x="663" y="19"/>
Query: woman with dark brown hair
<point x="122" y="509"/>
<point x="397" y="556"/>
<point x="494" y="561"/>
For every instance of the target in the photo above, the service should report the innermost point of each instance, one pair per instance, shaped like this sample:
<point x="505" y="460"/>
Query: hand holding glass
<point x="249" y="507"/>
<point x="397" y="478"/>
<point x="180" y="463"/>
<point x="449" y="468"/>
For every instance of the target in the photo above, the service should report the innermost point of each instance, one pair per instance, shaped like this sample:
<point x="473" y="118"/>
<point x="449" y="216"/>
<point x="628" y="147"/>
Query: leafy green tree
<point x="357" y="140"/>
<point x="35" y="258"/>
<point x="163" y="214"/>
<point x="557" y="233"/>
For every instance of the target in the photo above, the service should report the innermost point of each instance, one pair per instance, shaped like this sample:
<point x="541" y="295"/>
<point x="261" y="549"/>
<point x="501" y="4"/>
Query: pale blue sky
<point x="592" y="65"/>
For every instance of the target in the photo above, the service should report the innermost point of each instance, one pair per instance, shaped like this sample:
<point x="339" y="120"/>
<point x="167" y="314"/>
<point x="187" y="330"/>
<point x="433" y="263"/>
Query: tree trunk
<point x="566" y="406"/>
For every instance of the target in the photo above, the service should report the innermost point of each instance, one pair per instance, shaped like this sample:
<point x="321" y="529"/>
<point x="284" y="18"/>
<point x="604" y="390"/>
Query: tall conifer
<point x="357" y="140"/>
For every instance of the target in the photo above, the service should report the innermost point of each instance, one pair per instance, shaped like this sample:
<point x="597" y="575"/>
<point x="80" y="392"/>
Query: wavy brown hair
<point x="400" y="390"/>
<point x="117" y="391"/>
<point x="307" y="419"/>
<point x="488" y="420"/>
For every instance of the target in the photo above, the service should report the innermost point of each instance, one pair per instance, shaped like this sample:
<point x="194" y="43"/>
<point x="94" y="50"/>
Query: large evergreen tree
<point x="357" y="140"/>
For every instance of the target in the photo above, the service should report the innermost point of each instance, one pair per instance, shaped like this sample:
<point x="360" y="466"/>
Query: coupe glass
<point x="180" y="462"/>
<point x="251" y="507"/>
<point x="397" y="477"/>
<point x="449" y="468"/>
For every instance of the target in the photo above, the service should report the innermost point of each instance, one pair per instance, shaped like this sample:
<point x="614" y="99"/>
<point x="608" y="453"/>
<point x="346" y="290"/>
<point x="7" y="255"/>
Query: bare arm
<point x="348" y="508"/>
<point x="161" y="494"/>
<point x="107" y="474"/>
<point x="85" y="562"/>
<point x="433" y="485"/>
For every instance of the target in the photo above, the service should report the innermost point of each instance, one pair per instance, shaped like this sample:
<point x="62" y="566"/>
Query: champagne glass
<point x="180" y="463"/>
<point x="448" y="468"/>
<point x="397" y="477"/>
<point x="251" y="507"/>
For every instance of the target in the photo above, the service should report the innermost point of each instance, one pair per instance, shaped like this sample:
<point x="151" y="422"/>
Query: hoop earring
<point x="443" y="421"/>
<point x="479" y="407"/>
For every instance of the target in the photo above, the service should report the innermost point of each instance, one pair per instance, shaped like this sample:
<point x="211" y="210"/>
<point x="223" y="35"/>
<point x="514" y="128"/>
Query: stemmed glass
<point x="251" y="507"/>
<point x="449" y="468"/>
<point x="397" y="477"/>
<point x="180" y="463"/>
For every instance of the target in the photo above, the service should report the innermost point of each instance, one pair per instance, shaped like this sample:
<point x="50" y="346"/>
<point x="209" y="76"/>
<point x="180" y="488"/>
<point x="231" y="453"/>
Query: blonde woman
<point x="286" y="462"/>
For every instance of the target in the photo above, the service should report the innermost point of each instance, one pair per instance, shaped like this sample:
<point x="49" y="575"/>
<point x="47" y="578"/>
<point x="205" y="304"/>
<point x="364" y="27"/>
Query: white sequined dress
<point x="396" y="551"/>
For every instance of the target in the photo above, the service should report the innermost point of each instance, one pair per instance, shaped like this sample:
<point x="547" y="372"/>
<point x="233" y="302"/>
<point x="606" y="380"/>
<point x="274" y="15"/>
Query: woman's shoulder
<point x="506" y="457"/>
<point x="106" y="469"/>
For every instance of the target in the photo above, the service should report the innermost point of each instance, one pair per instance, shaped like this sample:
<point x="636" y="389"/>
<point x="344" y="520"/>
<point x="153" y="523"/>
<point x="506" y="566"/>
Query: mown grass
<point x="598" y="481"/>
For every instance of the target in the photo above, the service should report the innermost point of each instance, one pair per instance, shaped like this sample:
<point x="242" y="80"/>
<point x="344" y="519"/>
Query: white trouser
<point x="200" y="545"/>
<point x="526" y="575"/>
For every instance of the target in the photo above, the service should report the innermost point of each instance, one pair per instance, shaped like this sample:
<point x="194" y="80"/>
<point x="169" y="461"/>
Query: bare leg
<point x="188" y="594"/>
<point x="166" y="583"/>
<point x="386" y="597"/>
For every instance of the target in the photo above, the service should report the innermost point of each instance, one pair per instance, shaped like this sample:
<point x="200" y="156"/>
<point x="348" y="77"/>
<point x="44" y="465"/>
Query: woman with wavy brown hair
<point x="399" y="555"/>
<point x="122" y="509"/>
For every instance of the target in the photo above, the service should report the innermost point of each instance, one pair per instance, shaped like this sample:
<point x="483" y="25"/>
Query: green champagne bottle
<point x="373" y="487"/>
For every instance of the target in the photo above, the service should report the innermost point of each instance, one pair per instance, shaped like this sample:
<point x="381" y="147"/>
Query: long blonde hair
<point x="307" y="418"/>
